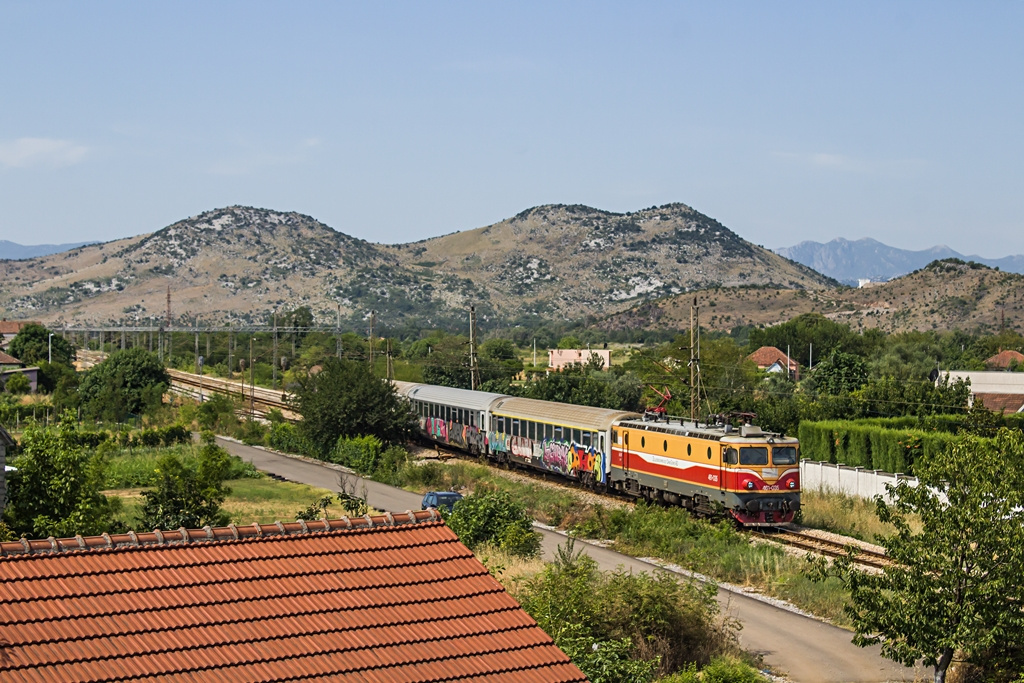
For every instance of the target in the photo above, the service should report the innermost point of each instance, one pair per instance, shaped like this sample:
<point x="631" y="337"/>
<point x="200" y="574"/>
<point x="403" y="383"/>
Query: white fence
<point x="853" y="481"/>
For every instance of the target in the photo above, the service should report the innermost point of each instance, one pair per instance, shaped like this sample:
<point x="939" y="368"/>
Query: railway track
<point x="814" y="544"/>
<point x="259" y="399"/>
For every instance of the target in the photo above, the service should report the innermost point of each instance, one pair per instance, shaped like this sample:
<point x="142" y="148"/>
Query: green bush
<point x="17" y="384"/>
<point x="494" y="517"/>
<point x="286" y="438"/>
<point x="620" y="626"/>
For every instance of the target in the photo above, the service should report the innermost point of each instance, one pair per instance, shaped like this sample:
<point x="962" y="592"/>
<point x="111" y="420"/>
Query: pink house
<point x="560" y="358"/>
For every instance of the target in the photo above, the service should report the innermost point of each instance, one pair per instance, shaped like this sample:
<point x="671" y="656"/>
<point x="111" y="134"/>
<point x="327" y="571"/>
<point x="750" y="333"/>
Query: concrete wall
<point x="853" y="481"/>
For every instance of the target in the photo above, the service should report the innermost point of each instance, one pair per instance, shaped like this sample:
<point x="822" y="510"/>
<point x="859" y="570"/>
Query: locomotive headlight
<point x="750" y="486"/>
<point x="792" y="483"/>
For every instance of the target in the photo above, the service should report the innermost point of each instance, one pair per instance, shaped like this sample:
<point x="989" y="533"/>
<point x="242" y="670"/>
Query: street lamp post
<point x="49" y="348"/>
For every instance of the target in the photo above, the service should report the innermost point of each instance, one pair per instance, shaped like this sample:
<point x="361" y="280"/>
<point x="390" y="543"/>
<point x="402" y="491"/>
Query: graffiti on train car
<point x="573" y="459"/>
<point x="567" y="458"/>
<point x="453" y="433"/>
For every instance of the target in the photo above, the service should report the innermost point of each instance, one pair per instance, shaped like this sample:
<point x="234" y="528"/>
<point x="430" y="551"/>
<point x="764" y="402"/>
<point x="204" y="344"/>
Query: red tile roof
<point x="390" y="598"/>
<point x="766" y="356"/>
<point x="1001" y="403"/>
<point x="1003" y="359"/>
<point x="7" y="359"/>
<point x="14" y="326"/>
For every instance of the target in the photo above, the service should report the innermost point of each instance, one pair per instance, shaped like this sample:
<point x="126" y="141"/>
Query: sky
<point x="399" y="121"/>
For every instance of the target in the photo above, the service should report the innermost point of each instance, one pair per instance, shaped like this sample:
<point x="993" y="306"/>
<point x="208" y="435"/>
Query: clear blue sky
<point x="400" y="121"/>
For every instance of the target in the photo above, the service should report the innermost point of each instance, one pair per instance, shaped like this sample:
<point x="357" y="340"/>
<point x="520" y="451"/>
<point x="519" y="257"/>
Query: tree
<point x="494" y="517"/>
<point x="954" y="586"/>
<point x="345" y="399"/>
<point x="56" y="488"/>
<point x="188" y="496"/>
<point x="127" y="383"/>
<point x="33" y="344"/>
<point x="840" y="373"/>
<point x="17" y="383"/>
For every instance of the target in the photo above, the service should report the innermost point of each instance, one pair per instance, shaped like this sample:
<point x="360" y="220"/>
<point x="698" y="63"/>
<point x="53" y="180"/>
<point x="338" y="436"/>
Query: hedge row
<point x="953" y="424"/>
<point x="869" y="445"/>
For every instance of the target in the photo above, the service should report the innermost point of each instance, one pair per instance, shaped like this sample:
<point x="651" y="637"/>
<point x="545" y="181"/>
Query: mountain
<point x="944" y="295"/>
<point x="242" y="263"/>
<point x="13" y="250"/>
<point x="868" y="259"/>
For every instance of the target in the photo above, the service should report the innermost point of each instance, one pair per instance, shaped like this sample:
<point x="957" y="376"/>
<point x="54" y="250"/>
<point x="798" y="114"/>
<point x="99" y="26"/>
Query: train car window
<point x="533" y="431"/>
<point x="664" y="445"/>
<point x="515" y="428"/>
<point x="643" y="441"/>
<point x="731" y="456"/>
<point x="501" y="425"/>
<point x="558" y="434"/>
<point x="754" y="455"/>
<point x="615" y="436"/>
<point x="784" y="455"/>
<point x="586" y="439"/>
<point x="625" y="437"/>
<point x="709" y="452"/>
<point x="689" y="449"/>
<point x="576" y="436"/>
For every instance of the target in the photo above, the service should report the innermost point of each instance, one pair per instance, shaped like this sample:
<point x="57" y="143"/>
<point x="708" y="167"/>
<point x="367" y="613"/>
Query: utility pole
<point x="391" y="365"/>
<point x="252" y="382"/>
<point x="337" y="332"/>
<point x="231" y="372"/>
<point x="273" y="382"/>
<point x="195" y="322"/>
<point x="168" y="305"/>
<point x="474" y="370"/>
<point x="373" y="319"/>
<point x="694" y="360"/>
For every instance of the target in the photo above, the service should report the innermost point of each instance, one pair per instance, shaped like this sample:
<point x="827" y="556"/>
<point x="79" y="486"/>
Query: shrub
<point x="18" y="384"/>
<point x="286" y="438"/>
<point x="494" y="517"/>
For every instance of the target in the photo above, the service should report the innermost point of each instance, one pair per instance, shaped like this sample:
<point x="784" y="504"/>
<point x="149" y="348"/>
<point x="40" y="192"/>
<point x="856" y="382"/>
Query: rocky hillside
<point x="573" y="260"/>
<point x="944" y="295"/>
<point x="241" y="264"/>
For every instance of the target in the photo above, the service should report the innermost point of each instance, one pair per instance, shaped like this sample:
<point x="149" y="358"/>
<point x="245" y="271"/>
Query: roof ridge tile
<point x="213" y="534"/>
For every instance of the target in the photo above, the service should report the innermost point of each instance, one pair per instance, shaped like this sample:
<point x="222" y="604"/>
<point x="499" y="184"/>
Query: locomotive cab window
<point x="784" y="455"/>
<point x="754" y="455"/>
<point x="731" y="456"/>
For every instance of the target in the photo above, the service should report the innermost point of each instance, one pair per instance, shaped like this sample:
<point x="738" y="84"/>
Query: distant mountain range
<point x="14" y="251"/>
<point x="867" y="259"/>
<point x="548" y="262"/>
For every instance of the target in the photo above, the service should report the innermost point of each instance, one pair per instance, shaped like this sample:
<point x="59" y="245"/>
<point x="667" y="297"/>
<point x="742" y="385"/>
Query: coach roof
<point x="461" y="398"/>
<point x="584" y="417"/>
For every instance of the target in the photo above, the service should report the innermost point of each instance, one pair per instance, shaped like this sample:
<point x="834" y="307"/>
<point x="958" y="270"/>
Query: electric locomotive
<point x="752" y="475"/>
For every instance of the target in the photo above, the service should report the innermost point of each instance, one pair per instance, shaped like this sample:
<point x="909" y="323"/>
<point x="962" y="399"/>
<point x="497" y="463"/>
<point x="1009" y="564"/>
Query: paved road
<point x="808" y="650"/>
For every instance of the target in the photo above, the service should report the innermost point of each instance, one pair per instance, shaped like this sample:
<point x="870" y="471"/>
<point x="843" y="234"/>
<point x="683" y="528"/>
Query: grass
<point x="260" y="500"/>
<point x="846" y="515"/>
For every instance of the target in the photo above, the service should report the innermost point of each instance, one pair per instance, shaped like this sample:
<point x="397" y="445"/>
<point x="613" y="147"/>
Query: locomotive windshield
<point x="784" y="455"/>
<point x="754" y="455"/>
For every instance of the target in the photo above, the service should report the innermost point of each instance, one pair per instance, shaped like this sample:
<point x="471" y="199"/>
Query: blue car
<point x="439" y="500"/>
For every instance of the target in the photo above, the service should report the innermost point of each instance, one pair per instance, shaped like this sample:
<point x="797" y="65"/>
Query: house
<point x="9" y="365"/>
<point x="1004" y="360"/>
<point x="1000" y="391"/>
<point x="771" y="359"/>
<point x="394" y="597"/>
<point x="559" y="359"/>
<point x="9" y="329"/>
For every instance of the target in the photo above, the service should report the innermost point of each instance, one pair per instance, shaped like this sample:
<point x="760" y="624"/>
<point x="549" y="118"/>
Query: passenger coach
<point x="573" y="441"/>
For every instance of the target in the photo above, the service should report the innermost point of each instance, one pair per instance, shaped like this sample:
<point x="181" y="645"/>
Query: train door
<point x="625" y="452"/>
